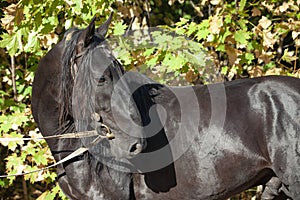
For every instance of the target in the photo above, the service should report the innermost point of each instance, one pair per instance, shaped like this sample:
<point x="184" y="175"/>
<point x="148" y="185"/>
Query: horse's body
<point x="243" y="141"/>
<point x="234" y="136"/>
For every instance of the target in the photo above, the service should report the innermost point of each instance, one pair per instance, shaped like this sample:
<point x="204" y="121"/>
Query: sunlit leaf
<point x="216" y="24"/>
<point x="242" y="5"/>
<point x="202" y="34"/>
<point x="224" y="70"/>
<point x="32" y="40"/>
<point x="269" y="39"/>
<point x="241" y="36"/>
<point x="39" y="158"/>
<point x="183" y="21"/>
<point x="10" y="42"/>
<point x="289" y="56"/>
<point x="119" y="28"/>
<point x="264" y="22"/>
<point x="149" y="51"/>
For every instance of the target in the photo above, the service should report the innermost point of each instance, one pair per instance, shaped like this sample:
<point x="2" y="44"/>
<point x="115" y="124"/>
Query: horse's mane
<point x="66" y="81"/>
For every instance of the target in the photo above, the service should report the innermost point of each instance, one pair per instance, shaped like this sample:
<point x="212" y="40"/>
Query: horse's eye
<point x="101" y="80"/>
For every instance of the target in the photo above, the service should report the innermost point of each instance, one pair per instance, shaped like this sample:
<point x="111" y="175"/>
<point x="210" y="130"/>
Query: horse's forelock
<point x="93" y="66"/>
<point x="84" y="80"/>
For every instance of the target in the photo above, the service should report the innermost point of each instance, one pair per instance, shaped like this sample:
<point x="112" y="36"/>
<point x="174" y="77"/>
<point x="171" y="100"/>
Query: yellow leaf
<point x="268" y="6"/>
<point x="135" y="11"/>
<point x="215" y="2"/>
<point x="48" y="40"/>
<point x="20" y="168"/>
<point x="9" y="18"/>
<point x="70" y="3"/>
<point x="269" y="39"/>
<point x="42" y="196"/>
<point x="14" y="127"/>
<point x="255" y="71"/>
<point x="274" y="71"/>
<point x="295" y="34"/>
<point x="297" y="42"/>
<point x="284" y="6"/>
<point x="171" y="2"/>
<point x="216" y="24"/>
<point x="264" y="57"/>
<point x="264" y="22"/>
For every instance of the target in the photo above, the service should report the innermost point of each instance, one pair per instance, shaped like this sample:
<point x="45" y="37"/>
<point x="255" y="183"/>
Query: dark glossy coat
<point x="220" y="139"/>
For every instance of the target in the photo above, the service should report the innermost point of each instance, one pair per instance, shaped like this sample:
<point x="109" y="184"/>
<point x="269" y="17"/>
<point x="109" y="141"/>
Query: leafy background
<point x="232" y="40"/>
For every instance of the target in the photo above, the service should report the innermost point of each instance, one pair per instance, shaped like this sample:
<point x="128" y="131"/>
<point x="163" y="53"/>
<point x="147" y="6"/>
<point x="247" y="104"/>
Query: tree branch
<point x="13" y="78"/>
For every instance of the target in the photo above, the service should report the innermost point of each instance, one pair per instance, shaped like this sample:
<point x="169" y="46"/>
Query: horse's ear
<point x="86" y="36"/>
<point x="103" y="28"/>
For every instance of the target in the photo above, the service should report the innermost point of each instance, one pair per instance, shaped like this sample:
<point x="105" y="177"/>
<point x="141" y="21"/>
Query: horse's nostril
<point x="136" y="148"/>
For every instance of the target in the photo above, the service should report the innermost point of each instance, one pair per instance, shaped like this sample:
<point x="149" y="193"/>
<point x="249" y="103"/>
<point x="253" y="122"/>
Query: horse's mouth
<point x="136" y="149"/>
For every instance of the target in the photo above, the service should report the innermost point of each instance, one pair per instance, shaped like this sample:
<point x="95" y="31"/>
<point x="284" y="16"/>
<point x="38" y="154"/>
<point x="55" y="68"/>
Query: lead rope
<point x="109" y="135"/>
<point x="83" y="134"/>
<point x="78" y="152"/>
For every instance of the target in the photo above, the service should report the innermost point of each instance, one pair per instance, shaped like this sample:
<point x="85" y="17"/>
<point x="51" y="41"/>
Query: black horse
<point x="197" y="142"/>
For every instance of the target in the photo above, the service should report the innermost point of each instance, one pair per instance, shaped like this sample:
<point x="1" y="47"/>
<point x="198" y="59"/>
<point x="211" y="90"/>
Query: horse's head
<point x="95" y="94"/>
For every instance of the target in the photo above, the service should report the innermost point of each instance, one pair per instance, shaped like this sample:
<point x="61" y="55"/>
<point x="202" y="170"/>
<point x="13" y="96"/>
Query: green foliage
<point x="33" y="26"/>
<point x="161" y="52"/>
<point x="248" y="36"/>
